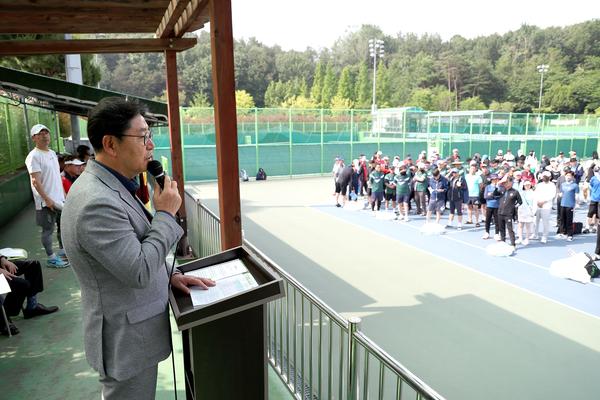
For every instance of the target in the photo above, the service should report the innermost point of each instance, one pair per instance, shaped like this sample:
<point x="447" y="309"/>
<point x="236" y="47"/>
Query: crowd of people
<point x="479" y="190"/>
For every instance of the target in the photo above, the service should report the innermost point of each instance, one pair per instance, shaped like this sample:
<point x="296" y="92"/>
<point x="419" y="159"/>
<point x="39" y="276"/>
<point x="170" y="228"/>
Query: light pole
<point x="376" y="49"/>
<point x="542" y="69"/>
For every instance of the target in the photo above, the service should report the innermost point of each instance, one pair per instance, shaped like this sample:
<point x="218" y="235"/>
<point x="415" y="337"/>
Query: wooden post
<point x="221" y="38"/>
<point x="176" y="147"/>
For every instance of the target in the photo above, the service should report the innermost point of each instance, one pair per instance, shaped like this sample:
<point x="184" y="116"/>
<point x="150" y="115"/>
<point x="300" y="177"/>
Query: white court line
<point x="467" y="267"/>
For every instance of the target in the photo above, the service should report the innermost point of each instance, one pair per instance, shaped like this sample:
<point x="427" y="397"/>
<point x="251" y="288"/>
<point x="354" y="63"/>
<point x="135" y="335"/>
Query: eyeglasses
<point x="147" y="136"/>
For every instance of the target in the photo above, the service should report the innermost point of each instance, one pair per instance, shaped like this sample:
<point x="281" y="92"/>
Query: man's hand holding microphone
<point x="166" y="198"/>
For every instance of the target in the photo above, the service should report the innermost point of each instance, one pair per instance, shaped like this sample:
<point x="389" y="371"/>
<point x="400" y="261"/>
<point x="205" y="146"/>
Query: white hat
<point x="37" y="129"/>
<point x="75" y="161"/>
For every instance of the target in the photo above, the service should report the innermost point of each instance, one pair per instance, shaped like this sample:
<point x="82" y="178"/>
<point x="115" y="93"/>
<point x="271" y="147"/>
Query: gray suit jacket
<point x="118" y="257"/>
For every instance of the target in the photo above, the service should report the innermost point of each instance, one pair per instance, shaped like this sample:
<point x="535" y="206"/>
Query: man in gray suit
<point x="118" y="250"/>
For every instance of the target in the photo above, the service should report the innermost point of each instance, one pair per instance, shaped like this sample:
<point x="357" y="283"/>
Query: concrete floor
<point x="46" y="360"/>
<point x="467" y="335"/>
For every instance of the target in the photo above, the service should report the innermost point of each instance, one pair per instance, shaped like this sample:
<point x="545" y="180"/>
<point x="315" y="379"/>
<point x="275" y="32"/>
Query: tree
<point x="362" y="89"/>
<point x="421" y="97"/>
<point x="505" y="106"/>
<point x="329" y="86"/>
<point x="243" y="99"/>
<point x="443" y="99"/>
<point x="317" y="86"/>
<point x="383" y="86"/>
<point x="275" y="94"/>
<point x="472" y="103"/>
<point x="345" y="89"/>
<point x="300" y="102"/>
<point x="340" y="103"/>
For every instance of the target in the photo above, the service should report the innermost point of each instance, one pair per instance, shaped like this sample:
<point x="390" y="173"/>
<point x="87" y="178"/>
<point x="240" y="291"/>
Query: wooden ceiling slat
<point x="76" y="23"/>
<point x="193" y="15"/>
<point x="172" y="14"/>
<point x="95" y="46"/>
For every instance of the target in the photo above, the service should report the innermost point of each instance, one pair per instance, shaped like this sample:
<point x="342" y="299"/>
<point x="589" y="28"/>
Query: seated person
<point x="26" y="281"/>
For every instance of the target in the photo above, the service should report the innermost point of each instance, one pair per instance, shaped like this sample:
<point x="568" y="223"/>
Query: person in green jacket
<point x="390" y="190"/>
<point x="402" y="180"/>
<point x="376" y="178"/>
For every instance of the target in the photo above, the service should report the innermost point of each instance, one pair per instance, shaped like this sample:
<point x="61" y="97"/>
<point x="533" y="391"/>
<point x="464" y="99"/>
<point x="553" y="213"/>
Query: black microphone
<point x="156" y="170"/>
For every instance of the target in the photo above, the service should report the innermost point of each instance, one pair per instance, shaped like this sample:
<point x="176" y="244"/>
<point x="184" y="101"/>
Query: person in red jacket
<point x="73" y="168"/>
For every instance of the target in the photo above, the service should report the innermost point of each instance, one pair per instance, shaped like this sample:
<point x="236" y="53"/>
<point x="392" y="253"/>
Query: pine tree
<point x="345" y="89"/>
<point x="383" y="86"/>
<point x="317" y="87"/>
<point x="362" y="89"/>
<point x="329" y="86"/>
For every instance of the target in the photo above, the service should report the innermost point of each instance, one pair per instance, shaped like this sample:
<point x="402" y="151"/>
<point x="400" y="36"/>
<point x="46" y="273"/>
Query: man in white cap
<point x="46" y="185"/>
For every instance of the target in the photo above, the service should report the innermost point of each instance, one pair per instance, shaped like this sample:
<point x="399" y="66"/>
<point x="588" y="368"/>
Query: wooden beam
<point x="193" y="17"/>
<point x="95" y="46"/>
<point x="68" y="21"/>
<point x="172" y="14"/>
<point x="221" y="43"/>
<point x="29" y="5"/>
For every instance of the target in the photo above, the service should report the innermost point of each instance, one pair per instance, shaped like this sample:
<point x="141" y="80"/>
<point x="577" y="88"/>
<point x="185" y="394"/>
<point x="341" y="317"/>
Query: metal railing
<point x="316" y="352"/>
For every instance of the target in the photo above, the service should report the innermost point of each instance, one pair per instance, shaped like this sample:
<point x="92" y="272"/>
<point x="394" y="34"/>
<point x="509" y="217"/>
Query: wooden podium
<point x="224" y="342"/>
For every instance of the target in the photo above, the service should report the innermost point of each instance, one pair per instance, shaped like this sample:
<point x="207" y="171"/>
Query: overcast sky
<point x="300" y="24"/>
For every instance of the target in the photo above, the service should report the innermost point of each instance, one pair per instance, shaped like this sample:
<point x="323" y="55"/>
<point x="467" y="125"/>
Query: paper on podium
<point x="11" y="253"/>
<point x="231" y="277"/>
<point x="4" y="288"/>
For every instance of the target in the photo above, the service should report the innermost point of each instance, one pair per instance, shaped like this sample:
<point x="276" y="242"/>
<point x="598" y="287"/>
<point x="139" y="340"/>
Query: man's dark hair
<point x="111" y="116"/>
<point x="510" y="179"/>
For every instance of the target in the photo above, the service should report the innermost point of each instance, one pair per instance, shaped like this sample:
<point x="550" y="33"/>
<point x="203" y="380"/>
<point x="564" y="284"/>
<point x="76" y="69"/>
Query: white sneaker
<point x="560" y="236"/>
<point x="406" y="218"/>
<point x="525" y="242"/>
<point x="486" y="236"/>
<point x="518" y="241"/>
<point x="544" y="240"/>
<point x="533" y="236"/>
<point x="514" y="249"/>
<point x="569" y="238"/>
<point x="497" y="237"/>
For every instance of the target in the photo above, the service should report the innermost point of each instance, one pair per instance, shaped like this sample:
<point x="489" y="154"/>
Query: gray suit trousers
<point x="140" y="387"/>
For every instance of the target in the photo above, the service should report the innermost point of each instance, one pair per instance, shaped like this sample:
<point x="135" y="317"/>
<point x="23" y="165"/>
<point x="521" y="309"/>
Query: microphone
<point x="156" y="170"/>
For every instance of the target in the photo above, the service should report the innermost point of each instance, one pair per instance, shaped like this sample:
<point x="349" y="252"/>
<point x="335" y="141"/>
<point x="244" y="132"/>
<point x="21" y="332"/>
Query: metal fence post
<point x="256" y="136"/>
<point x="9" y="137"/>
<point x="351" y="134"/>
<point x="527" y="133"/>
<point x="322" y="151"/>
<point x="509" y="130"/>
<point x="352" y="378"/>
<point x="291" y="133"/>
<point x="491" y="133"/>
<point x="587" y="124"/>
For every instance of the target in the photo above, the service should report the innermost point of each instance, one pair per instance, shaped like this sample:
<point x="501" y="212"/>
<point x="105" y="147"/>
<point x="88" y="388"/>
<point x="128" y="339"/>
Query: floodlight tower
<point x="376" y="49"/>
<point x="542" y="69"/>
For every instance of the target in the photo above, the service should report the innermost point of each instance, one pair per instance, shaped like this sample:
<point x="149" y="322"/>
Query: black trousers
<point x="489" y="214"/>
<point x="505" y="223"/>
<point x="566" y="221"/>
<point x="597" y="251"/>
<point x="29" y="282"/>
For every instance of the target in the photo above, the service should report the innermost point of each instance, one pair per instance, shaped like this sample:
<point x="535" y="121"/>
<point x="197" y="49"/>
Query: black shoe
<point x="13" y="330"/>
<point x="338" y="205"/>
<point x="40" y="309"/>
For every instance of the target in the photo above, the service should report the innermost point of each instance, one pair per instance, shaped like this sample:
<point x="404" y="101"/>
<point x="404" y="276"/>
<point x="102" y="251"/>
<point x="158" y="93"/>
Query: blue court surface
<point x="527" y="269"/>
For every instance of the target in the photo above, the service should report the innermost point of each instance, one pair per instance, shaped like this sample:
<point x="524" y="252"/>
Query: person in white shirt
<point x="46" y="185"/>
<point x="543" y="196"/>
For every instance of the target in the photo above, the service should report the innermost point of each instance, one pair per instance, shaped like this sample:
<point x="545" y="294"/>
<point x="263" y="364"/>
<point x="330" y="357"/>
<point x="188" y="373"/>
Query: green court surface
<point x="466" y="334"/>
<point x="46" y="359"/>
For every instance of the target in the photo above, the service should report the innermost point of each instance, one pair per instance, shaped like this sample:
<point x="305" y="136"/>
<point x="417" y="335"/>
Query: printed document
<point x="231" y="277"/>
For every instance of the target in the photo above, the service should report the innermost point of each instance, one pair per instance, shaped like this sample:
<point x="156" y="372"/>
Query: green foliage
<point x="299" y="102"/>
<point x="421" y="97"/>
<point x="472" y="103"/>
<point x="340" y="103"/>
<point x="499" y="69"/>
<point x="317" y="86"/>
<point x="345" y="89"/>
<point x="243" y="99"/>
<point x="362" y="89"/>
<point x="329" y="86"/>
<point x="200" y="100"/>
<point x="505" y="106"/>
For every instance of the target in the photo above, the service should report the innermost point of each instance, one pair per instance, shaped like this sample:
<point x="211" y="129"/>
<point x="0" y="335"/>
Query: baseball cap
<point x="454" y="170"/>
<point x="37" y="129"/>
<point x="547" y="173"/>
<point x="494" y="176"/>
<point x="75" y="161"/>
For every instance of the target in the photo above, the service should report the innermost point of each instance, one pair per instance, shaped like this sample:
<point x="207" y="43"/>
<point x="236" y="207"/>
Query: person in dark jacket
<point x="438" y="185"/>
<point x="491" y="207"/>
<point x="508" y="201"/>
<point x="457" y="191"/>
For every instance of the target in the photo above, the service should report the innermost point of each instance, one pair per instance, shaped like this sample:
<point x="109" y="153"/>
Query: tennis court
<point x="471" y="325"/>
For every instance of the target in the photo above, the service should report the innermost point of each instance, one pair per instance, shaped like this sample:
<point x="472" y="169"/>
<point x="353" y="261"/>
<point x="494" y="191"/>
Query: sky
<point x="310" y="23"/>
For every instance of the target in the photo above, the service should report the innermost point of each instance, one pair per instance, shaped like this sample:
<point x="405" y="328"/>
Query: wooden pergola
<point x="167" y="21"/>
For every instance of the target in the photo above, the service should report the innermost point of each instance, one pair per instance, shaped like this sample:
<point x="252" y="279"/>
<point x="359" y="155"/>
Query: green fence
<point x="300" y="141"/>
<point x="14" y="134"/>
<point x="297" y="142"/>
